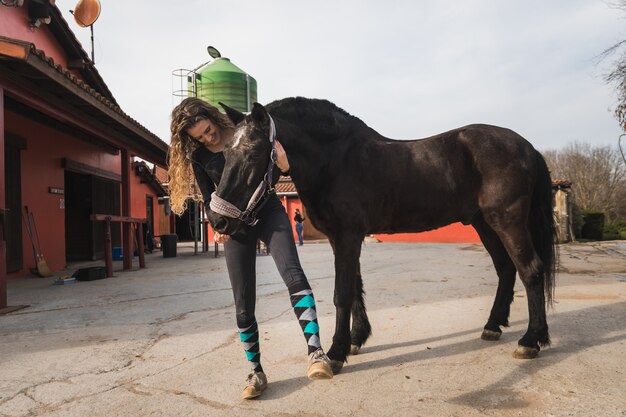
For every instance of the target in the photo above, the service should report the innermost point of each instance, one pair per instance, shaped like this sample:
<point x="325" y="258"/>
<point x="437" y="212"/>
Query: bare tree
<point x="618" y="75"/>
<point x="598" y="176"/>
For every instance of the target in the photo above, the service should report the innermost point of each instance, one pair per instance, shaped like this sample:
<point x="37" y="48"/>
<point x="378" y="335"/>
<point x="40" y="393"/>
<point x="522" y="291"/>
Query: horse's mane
<point x="328" y="121"/>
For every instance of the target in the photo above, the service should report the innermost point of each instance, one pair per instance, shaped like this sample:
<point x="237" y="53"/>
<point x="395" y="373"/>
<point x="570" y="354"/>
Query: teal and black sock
<point x="249" y="336"/>
<point x="303" y="304"/>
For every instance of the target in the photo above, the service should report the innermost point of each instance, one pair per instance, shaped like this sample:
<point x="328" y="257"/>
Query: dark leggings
<point x="275" y="230"/>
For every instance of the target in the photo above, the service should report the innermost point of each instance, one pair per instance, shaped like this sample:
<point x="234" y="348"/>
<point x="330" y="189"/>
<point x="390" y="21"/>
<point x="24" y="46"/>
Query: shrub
<point x="577" y="220"/>
<point x="619" y="229"/>
<point x="593" y="225"/>
<point x="611" y="232"/>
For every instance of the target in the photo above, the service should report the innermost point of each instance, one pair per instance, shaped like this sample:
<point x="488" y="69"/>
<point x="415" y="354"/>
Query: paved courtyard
<point x="161" y="341"/>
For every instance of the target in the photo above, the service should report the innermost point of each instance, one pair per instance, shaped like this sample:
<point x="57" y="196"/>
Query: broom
<point x="26" y="220"/>
<point x="42" y="267"/>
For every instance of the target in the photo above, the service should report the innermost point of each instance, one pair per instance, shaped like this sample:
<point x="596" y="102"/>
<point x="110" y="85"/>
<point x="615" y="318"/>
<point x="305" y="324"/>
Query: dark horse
<point x="354" y="182"/>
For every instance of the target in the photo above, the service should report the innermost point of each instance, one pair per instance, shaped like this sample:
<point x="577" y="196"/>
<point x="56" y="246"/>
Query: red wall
<point x="41" y="168"/>
<point x="138" y="194"/>
<point x="291" y="204"/>
<point x="454" y="233"/>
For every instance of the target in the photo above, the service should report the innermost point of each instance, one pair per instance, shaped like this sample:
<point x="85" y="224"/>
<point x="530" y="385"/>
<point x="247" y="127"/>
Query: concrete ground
<point x="161" y="341"/>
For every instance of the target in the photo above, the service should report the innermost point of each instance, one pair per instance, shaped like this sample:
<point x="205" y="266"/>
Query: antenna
<point x="85" y="14"/>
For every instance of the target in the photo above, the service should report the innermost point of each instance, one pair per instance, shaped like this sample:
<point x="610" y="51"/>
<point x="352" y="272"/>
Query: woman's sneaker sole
<point x="250" y="392"/>
<point x="319" y="370"/>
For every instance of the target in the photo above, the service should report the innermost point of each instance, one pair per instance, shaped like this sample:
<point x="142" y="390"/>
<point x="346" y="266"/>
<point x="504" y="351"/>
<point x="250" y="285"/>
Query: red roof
<point x="83" y="85"/>
<point x="161" y="175"/>
<point x="558" y="183"/>
<point x="285" y="185"/>
<point x="32" y="67"/>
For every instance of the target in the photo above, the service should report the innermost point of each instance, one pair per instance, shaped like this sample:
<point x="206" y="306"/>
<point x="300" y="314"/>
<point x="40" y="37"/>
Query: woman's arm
<point x="206" y="184"/>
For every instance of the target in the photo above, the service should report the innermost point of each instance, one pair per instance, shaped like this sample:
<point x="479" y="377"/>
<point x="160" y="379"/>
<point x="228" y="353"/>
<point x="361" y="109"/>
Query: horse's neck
<point x="305" y="153"/>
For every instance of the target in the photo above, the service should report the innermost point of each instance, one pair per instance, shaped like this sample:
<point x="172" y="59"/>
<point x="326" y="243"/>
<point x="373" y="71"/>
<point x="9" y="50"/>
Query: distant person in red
<point x="299" y="226"/>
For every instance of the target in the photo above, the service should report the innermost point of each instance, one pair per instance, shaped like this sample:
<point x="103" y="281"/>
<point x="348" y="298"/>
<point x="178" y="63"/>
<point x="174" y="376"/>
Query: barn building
<point x="67" y="150"/>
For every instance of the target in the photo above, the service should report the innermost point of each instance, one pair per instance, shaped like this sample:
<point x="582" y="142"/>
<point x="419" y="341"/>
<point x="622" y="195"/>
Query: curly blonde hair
<point x="189" y="112"/>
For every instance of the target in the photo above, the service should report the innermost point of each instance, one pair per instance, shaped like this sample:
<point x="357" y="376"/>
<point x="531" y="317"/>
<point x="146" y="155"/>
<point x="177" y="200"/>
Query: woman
<point x="199" y="132"/>
<point x="299" y="226"/>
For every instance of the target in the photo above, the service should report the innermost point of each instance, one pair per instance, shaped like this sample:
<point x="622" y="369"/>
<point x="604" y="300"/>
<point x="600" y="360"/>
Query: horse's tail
<point x="543" y="227"/>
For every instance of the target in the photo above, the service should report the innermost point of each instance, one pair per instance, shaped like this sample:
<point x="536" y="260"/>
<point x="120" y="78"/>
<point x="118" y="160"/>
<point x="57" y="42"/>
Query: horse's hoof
<point x="354" y="349"/>
<point x="336" y="366"/>
<point x="490" y="335"/>
<point x="523" y="352"/>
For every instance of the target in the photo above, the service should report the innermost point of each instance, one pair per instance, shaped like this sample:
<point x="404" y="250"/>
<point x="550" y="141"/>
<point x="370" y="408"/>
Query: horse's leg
<point x="361" y="328"/>
<point x="505" y="268"/>
<point x="518" y="243"/>
<point x="347" y="251"/>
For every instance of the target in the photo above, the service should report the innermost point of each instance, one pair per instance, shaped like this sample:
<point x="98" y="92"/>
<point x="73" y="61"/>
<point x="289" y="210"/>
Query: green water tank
<point x="221" y="80"/>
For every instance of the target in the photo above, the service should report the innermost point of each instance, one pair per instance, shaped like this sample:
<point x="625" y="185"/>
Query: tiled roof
<point x="558" y="183"/>
<point x="24" y="63"/>
<point x="285" y="185"/>
<point x="162" y="175"/>
<point x="60" y="28"/>
<point x="80" y="83"/>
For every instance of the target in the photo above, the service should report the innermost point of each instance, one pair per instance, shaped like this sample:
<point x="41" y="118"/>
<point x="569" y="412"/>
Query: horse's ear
<point x="259" y="114"/>
<point x="235" y="116"/>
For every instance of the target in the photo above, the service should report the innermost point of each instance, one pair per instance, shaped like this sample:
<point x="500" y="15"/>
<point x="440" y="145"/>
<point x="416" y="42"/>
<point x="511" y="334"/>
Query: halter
<point x="260" y="196"/>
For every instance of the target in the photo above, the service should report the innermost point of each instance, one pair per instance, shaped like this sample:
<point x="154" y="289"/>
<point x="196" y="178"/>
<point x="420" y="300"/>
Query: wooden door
<point x="13" y="202"/>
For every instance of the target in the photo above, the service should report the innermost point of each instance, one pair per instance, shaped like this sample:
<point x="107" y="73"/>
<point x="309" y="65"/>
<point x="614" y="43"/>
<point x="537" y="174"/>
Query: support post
<point x="205" y="236"/>
<point x="3" y="256"/>
<point x="173" y="223"/>
<point x="127" y="236"/>
<point x="140" y="247"/>
<point x="196" y="227"/>
<point x="108" y="252"/>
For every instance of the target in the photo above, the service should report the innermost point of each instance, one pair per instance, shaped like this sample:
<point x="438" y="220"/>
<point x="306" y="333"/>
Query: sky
<point x="409" y="69"/>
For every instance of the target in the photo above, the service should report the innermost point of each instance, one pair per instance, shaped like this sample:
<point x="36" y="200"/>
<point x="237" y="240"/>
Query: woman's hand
<point x="281" y="158"/>
<point x="220" y="238"/>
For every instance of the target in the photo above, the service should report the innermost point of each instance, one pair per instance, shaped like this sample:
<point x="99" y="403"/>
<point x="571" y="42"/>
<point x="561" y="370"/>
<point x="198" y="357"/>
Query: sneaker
<point x="255" y="385"/>
<point x="319" y="366"/>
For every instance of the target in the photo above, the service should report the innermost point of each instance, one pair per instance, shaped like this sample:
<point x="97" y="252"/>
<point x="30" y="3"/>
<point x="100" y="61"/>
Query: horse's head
<point x="248" y="175"/>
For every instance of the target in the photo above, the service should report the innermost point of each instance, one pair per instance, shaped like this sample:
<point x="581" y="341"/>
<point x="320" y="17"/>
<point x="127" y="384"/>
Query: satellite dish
<point x="87" y="12"/>
<point x="213" y="52"/>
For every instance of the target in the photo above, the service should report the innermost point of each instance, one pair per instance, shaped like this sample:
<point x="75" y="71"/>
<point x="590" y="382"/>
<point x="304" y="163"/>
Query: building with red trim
<point x="67" y="149"/>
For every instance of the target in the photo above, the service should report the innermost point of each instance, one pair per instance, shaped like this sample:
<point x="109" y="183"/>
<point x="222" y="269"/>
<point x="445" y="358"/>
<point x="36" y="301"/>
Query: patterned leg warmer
<point x="303" y="304"/>
<point x="250" y="339"/>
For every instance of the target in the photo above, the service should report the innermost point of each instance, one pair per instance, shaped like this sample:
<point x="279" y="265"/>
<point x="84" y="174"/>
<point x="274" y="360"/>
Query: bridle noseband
<point x="260" y="196"/>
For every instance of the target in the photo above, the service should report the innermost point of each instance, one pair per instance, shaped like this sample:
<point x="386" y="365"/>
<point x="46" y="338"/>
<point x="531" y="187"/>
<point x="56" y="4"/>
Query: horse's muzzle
<point x="218" y="222"/>
<point x="223" y="224"/>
